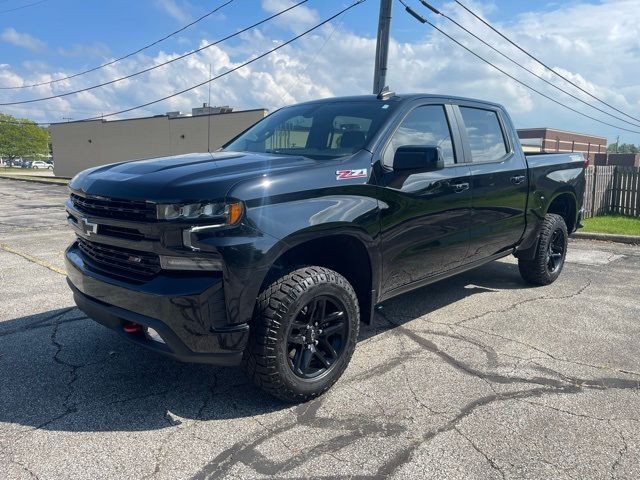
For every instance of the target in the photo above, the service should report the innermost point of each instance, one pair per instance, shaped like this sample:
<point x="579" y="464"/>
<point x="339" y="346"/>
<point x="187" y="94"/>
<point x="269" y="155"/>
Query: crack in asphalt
<point x="246" y="452"/>
<point x="24" y="467"/>
<point x="213" y="391"/>
<point x="414" y="394"/>
<point x="566" y="412"/>
<point x="401" y="458"/>
<point x="306" y="415"/>
<point x="621" y="453"/>
<point x="523" y="302"/>
<point x="44" y="322"/>
<point x="69" y="408"/>
<point x="550" y="386"/>
<point x="492" y="463"/>
<point x="462" y="324"/>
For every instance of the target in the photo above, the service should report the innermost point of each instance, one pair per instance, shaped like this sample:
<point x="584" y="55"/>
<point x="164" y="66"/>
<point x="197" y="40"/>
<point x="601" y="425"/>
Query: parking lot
<point x="478" y="376"/>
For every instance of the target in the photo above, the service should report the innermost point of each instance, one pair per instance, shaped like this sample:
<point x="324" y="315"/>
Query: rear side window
<point x="426" y="125"/>
<point x="486" y="138"/>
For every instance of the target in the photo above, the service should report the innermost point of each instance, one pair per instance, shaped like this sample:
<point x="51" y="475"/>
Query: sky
<point x="594" y="43"/>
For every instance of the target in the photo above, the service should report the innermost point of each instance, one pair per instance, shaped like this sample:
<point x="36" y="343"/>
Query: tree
<point x="622" y="148"/>
<point x="21" y="137"/>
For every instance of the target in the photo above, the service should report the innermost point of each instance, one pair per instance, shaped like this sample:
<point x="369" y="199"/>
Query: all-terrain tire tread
<point x="535" y="271"/>
<point x="259" y="360"/>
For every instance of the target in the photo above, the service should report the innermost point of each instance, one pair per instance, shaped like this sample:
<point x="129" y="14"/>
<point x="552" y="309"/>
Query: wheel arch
<point x="565" y="204"/>
<point x="349" y="253"/>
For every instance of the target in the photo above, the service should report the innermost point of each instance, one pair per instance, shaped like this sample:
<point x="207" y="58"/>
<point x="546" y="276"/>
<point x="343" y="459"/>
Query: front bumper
<point x="187" y="310"/>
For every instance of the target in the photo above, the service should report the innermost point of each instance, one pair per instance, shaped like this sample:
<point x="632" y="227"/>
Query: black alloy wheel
<point x="303" y="334"/>
<point x="555" y="251"/>
<point x="317" y="337"/>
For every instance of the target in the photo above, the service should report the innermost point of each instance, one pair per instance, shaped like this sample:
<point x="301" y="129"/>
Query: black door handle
<point x="518" y="179"/>
<point x="460" y="187"/>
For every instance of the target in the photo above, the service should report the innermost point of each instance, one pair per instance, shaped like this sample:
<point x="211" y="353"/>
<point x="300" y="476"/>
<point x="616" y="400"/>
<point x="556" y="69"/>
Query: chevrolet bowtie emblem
<point x="88" y="227"/>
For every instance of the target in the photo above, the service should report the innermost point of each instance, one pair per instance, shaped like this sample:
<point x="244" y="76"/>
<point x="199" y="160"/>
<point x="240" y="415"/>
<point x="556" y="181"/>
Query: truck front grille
<point x="121" y="262"/>
<point x="114" y="208"/>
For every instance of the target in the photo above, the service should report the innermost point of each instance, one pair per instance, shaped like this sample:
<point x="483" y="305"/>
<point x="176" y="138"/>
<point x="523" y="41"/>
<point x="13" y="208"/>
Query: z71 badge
<point x="349" y="174"/>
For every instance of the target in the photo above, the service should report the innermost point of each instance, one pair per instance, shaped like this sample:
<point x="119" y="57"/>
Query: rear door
<point x="424" y="215"/>
<point x="499" y="180"/>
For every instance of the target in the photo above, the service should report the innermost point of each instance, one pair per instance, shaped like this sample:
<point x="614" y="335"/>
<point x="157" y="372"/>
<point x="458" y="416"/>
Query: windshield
<point x="318" y="130"/>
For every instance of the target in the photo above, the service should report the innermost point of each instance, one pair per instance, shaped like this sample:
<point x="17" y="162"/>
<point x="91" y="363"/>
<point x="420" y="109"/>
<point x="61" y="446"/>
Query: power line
<point x="248" y="62"/>
<point x="544" y="64"/>
<point x="33" y="4"/>
<point x="438" y="12"/>
<point x="158" y="65"/>
<point x="313" y="60"/>
<point x="421" y="19"/>
<point x="93" y="69"/>
<point x="255" y="59"/>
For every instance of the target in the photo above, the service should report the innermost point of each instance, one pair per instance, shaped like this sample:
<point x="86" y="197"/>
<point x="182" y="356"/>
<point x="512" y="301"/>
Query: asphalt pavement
<point x="479" y="376"/>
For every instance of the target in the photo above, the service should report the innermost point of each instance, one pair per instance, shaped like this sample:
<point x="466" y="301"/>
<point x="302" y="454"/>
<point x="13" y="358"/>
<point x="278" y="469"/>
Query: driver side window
<point x="426" y="125"/>
<point x="292" y="134"/>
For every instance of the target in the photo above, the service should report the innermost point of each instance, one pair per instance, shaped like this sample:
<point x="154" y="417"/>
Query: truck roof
<point x="401" y="97"/>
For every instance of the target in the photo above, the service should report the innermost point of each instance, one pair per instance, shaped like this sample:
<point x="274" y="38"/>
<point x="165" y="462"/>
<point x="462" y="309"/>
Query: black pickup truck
<point x="270" y="251"/>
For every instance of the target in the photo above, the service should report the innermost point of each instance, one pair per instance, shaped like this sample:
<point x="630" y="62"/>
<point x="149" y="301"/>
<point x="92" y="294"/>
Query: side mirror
<point x="422" y="158"/>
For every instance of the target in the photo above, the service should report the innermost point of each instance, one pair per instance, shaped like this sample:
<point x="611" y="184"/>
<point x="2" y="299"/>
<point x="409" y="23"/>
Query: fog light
<point x="154" y="335"/>
<point x="189" y="263"/>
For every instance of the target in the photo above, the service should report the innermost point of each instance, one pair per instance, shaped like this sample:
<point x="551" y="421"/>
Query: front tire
<point x="547" y="265"/>
<point x="303" y="335"/>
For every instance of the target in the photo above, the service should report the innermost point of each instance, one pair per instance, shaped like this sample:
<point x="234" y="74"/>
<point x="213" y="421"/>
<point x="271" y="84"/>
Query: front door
<point x="424" y="215"/>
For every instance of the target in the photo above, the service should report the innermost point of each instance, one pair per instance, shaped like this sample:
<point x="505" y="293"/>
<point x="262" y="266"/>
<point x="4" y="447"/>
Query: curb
<point x="55" y="181"/>
<point x="607" y="237"/>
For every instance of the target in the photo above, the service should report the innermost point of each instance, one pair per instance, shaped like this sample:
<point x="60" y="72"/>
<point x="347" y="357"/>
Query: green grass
<point x="616" y="224"/>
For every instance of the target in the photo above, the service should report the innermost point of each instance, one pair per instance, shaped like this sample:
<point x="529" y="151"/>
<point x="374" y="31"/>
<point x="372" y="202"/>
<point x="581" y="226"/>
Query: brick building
<point x="552" y="140"/>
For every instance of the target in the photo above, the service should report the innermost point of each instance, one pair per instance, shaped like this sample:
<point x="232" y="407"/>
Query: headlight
<point x="226" y="213"/>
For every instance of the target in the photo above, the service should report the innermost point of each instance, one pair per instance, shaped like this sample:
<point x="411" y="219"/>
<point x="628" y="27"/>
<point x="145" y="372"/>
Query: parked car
<point x="41" y="164"/>
<point x="271" y="251"/>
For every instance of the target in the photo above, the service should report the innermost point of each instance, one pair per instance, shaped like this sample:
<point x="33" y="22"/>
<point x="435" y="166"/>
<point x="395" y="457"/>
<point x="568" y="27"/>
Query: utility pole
<point x="382" y="46"/>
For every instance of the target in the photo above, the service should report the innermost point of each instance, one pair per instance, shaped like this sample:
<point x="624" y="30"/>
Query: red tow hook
<point x="131" y="327"/>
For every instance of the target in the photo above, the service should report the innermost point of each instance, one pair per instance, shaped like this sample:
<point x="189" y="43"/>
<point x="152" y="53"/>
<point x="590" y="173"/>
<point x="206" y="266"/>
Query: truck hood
<point x="192" y="177"/>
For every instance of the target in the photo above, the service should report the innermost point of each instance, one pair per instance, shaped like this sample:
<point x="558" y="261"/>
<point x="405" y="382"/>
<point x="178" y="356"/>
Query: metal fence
<point x="612" y="190"/>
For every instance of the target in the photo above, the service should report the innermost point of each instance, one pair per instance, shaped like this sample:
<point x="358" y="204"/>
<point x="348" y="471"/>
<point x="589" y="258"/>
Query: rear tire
<point x="303" y="334"/>
<point x="547" y="264"/>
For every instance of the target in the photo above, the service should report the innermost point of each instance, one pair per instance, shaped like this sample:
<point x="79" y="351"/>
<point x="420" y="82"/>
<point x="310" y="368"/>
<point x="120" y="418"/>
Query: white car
<point x="41" y="164"/>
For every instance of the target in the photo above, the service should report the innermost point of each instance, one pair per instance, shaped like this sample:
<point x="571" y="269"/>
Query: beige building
<point x="80" y="145"/>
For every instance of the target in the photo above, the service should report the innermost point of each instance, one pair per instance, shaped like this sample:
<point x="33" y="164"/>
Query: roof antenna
<point x="385" y="93"/>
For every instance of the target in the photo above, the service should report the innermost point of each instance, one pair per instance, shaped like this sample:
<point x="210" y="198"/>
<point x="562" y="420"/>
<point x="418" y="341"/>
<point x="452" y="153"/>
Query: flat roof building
<point x="553" y="140"/>
<point x="84" y="144"/>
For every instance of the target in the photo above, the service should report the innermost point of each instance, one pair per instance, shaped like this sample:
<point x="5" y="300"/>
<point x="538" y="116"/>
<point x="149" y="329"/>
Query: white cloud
<point x="22" y="40"/>
<point x="604" y="60"/>
<point x="171" y="7"/>
<point x="297" y="19"/>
